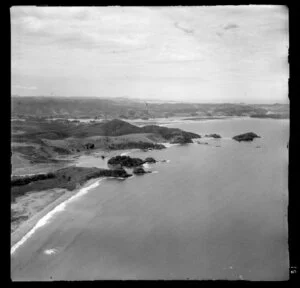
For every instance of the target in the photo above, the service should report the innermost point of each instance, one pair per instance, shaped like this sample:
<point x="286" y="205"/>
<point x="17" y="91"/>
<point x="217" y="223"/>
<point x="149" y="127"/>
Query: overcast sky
<point x="195" y="54"/>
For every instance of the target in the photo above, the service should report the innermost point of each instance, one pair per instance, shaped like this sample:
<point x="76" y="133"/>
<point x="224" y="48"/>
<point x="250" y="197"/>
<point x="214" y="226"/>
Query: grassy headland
<point x="37" y="142"/>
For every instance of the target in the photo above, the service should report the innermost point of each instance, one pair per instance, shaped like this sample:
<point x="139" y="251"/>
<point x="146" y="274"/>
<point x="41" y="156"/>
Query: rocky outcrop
<point x="139" y="171"/>
<point x="136" y="145"/>
<point x="216" y="136"/>
<point x="181" y="139"/>
<point x="172" y="135"/>
<point x="245" y="137"/>
<point x="119" y="172"/>
<point x="125" y="161"/>
<point x="89" y="146"/>
<point x="150" y="160"/>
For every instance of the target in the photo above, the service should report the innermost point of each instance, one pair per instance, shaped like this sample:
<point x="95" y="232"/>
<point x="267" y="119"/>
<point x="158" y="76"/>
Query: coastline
<point x="34" y="205"/>
<point x="46" y="205"/>
<point x="28" y="225"/>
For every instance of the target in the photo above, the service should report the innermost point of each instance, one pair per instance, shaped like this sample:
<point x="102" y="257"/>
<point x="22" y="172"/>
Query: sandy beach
<point x="33" y="206"/>
<point x="37" y="209"/>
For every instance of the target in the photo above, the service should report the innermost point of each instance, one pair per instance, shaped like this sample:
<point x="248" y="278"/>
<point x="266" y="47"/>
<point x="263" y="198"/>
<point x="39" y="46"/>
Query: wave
<point x="61" y="207"/>
<point x="125" y="153"/>
<point x="168" y="145"/>
<point x="146" y="165"/>
<point x="50" y="251"/>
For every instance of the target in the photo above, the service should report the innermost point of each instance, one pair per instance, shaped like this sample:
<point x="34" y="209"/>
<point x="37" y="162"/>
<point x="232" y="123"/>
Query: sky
<point x="182" y="53"/>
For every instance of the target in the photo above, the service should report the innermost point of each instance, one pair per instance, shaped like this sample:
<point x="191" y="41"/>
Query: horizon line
<point x="147" y="99"/>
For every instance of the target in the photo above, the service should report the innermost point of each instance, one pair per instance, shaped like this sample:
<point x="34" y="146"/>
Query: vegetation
<point x="125" y="161"/>
<point x="68" y="178"/>
<point x="45" y="107"/>
<point x="135" y="145"/>
<point x="43" y="141"/>
<point x="271" y="116"/>
<point x="129" y="162"/>
<point x="18" y="181"/>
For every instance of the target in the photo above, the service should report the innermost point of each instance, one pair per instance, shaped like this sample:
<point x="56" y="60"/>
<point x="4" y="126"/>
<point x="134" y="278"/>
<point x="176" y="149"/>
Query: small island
<point x="128" y="162"/>
<point x="150" y="160"/>
<point x="246" y="137"/>
<point x="203" y="143"/>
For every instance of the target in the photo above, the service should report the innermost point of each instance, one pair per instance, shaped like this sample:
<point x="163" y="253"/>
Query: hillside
<point x="37" y="142"/>
<point x="52" y="107"/>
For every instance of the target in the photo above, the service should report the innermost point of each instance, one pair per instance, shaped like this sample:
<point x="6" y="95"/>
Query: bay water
<point x="211" y="211"/>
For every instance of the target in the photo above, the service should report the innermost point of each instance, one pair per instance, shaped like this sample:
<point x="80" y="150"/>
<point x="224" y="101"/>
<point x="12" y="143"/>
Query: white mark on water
<point x="50" y="251"/>
<point x="168" y="145"/>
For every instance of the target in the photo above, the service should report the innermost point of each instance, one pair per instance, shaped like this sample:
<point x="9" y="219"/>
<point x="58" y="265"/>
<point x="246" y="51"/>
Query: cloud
<point x="84" y="50"/>
<point x="231" y="26"/>
<point x="24" y="87"/>
<point x="186" y="30"/>
<point x="105" y="29"/>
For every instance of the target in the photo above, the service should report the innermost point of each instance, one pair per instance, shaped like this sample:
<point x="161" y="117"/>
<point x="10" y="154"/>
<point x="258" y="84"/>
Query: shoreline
<point x="26" y="227"/>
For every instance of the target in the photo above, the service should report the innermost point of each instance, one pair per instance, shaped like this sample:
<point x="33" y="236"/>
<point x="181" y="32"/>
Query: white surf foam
<point x="125" y="153"/>
<point x="146" y="165"/>
<point x="50" y="251"/>
<point x="44" y="220"/>
<point x="168" y="145"/>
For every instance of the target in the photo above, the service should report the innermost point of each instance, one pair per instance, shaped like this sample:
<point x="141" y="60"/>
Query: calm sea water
<point x="209" y="213"/>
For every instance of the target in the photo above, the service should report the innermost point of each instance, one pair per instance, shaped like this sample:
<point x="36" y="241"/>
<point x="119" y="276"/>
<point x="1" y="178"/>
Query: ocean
<point x="215" y="211"/>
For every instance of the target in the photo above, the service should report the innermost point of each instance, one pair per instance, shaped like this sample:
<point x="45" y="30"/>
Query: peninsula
<point x="50" y="147"/>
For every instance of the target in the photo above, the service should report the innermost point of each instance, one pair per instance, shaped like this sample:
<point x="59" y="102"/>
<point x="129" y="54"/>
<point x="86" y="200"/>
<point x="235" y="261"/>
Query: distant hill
<point x="130" y="109"/>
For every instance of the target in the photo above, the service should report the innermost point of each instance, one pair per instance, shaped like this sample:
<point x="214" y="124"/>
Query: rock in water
<point x="181" y="139"/>
<point x="213" y="136"/>
<point x="139" y="171"/>
<point x="120" y="172"/>
<point x="245" y="137"/>
<point x="129" y="162"/>
<point x="150" y="160"/>
<point x="125" y="161"/>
